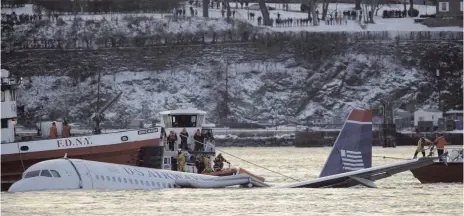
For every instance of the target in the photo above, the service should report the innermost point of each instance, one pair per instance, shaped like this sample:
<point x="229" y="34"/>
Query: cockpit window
<point x="55" y="173"/>
<point x="46" y="173"/>
<point x="32" y="174"/>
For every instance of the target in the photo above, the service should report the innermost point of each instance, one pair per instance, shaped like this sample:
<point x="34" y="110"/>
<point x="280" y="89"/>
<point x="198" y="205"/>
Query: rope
<point x="385" y="157"/>
<point x="257" y="165"/>
<point x="246" y="161"/>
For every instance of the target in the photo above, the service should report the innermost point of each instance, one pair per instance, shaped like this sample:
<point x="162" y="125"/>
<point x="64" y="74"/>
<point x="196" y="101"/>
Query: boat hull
<point x="123" y="152"/>
<point x="439" y="172"/>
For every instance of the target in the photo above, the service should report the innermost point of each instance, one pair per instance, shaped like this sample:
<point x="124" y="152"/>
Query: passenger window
<point x="125" y="180"/>
<point x="114" y="179"/>
<point x="96" y="177"/>
<point x="32" y="174"/>
<point x="157" y="183"/>
<point x="119" y="179"/>
<point x="103" y="177"/>
<point x="141" y="182"/>
<point x="147" y="183"/>
<point x="108" y="178"/>
<point x="55" y="173"/>
<point x="153" y="184"/>
<point x="46" y="173"/>
<point x="130" y="181"/>
<point x="136" y="182"/>
<point x="164" y="185"/>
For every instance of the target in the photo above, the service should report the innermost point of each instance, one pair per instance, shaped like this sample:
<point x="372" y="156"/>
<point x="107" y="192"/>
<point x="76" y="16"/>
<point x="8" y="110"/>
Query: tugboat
<point x="122" y="147"/>
<point x="449" y="172"/>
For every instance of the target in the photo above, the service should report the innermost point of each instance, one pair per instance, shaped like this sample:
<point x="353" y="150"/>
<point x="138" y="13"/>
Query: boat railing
<point x="454" y="154"/>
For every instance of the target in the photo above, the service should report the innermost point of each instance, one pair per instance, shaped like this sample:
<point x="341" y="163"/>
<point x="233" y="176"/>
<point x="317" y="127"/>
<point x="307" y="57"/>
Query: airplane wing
<point x="221" y="181"/>
<point x="364" y="177"/>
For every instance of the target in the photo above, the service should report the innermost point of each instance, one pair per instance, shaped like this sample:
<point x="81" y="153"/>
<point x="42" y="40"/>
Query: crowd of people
<point x="393" y="14"/>
<point x="11" y="19"/>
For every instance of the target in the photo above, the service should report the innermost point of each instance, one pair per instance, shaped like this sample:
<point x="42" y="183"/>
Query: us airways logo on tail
<point x="352" y="160"/>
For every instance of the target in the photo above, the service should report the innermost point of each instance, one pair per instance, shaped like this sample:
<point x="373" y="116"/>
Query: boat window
<point x="32" y="174"/>
<point x="4" y="123"/>
<point x="184" y="121"/>
<point x="55" y="173"/>
<point x="46" y="173"/>
<point x="119" y="179"/>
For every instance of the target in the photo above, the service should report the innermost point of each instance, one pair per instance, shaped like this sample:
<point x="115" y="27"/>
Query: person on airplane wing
<point x="181" y="161"/>
<point x="421" y="146"/>
<point x="219" y="162"/>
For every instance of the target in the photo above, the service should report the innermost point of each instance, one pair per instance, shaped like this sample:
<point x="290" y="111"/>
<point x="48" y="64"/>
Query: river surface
<point x="400" y="194"/>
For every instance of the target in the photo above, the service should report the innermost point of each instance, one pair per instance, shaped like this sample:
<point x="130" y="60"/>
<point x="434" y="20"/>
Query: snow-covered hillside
<point x="273" y="90"/>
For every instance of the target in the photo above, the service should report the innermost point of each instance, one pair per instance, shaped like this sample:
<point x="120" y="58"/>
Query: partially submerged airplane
<point x="348" y="164"/>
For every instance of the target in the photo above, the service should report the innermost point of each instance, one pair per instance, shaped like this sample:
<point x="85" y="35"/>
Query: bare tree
<point x="264" y="12"/>
<point x="312" y="5"/>
<point x="325" y="8"/>
<point x="369" y="6"/>
<point x="358" y="5"/>
<point x="205" y="8"/>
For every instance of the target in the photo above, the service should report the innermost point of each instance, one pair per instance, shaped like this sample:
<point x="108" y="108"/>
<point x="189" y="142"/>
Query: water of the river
<point x="401" y="194"/>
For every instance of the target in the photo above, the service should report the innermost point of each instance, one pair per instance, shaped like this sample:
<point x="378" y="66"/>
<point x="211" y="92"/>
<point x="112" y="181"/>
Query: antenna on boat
<point x="98" y="116"/>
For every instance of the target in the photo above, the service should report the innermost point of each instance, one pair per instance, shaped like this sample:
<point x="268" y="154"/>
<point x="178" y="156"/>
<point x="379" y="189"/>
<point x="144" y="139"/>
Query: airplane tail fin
<point x="353" y="147"/>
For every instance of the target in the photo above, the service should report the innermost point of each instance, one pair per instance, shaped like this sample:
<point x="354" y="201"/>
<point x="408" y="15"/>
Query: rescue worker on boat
<point x="199" y="164"/>
<point x="53" y="131"/>
<point x="219" y="162"/>
<point x="172" y="138"/>
<point x="421" y="146"/>
<point x="198" y="139"/>
<point x="66" y="132"/>
<point x="181" y="160"/>
<point x="183" y="139"/>
<point x="440" y="141"/>
<point x="207" y="164"/>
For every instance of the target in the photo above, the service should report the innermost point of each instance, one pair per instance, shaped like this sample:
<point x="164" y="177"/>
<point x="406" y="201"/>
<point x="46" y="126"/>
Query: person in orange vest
<point x="183" y="139"/>
<point x="198" y="138"/>
<point x="66" y="132"/>
<point x="440" y="141"/>
<point x="53" y="131"/>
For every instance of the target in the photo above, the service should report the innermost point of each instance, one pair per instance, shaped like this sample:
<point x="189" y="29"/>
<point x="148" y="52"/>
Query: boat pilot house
<point x="187" y="135"/>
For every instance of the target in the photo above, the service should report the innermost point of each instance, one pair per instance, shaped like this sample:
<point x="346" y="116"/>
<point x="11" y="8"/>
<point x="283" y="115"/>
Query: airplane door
<point x="85" y="175"/>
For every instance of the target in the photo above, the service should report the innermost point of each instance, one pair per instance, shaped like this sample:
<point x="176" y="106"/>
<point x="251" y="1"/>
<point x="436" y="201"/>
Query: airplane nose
<point x="17" y="187"/>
